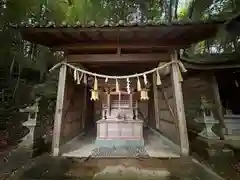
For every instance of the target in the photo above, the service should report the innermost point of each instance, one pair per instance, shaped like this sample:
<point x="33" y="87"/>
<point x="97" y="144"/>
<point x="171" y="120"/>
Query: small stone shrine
<point x="206" y="118"/>
<point x="120" y="125"/>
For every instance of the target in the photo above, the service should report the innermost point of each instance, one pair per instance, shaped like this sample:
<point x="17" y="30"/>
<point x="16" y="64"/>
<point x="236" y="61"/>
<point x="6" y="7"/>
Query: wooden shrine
<point x="120" y="125"/>
<point x="120" y="52"/>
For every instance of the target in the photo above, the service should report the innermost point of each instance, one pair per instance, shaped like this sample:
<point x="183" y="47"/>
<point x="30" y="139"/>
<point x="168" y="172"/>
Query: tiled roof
<point x="177" y="34"/>
<point x="121" y="23"/>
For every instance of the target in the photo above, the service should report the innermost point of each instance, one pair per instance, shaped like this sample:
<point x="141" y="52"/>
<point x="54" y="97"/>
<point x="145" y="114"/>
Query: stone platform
<point x="133" y="152"/>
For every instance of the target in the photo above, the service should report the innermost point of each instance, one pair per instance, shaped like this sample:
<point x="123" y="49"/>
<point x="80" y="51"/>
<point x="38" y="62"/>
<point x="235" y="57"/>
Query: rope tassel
<point x="139" y="88"/>
<point x="182" y="68"/>
<point x="179" y="74"/>
<point x="159" y="82"/>
<point x="94" y="92"/>
<point x="95" y="86"/>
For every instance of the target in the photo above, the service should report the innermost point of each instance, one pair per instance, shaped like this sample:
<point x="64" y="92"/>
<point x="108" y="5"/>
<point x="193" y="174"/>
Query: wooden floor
<point x="155" y="145"/>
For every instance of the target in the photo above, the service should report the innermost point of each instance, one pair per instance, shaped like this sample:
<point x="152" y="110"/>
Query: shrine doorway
<point x="83" y="143"/>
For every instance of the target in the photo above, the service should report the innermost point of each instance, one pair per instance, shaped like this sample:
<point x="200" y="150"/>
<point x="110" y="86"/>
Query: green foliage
<point x="213" y="9"/>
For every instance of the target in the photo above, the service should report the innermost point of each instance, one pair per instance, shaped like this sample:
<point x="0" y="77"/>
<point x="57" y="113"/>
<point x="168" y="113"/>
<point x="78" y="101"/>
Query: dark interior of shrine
<point x="229" y="89"/>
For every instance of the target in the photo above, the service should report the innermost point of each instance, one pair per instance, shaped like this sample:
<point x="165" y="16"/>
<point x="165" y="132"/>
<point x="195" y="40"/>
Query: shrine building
<point x="120" y="86"/>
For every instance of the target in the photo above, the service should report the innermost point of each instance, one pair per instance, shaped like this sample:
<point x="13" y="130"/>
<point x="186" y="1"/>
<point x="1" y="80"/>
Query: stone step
<point x="211" y="148"/>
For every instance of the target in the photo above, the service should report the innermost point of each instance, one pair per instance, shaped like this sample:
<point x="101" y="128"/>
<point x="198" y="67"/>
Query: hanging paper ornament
<point x="236" y="83"/>
<point x="128" y="86"/>
<point x="117" y="86"/>
<point x="145" y="79"/>
<point x="144" y="94"/>
<point x="78" y="78"/>
<point x="139" y="88"/>
<point x="85" y="79"/>
<point x="106" y="80"/>
<point x="159" y="82"/>
<point x="75" y="74"/>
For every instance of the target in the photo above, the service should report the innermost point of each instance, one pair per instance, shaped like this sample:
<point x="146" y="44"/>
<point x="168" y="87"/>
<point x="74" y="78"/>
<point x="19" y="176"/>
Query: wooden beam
<point x="114" y="45"/>
<point x="59" y="110"/>
<point x="178" y="98"/>
<point x="119" y="58"/>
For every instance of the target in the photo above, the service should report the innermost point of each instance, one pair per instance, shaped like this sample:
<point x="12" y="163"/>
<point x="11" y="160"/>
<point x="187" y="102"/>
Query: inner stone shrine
<point x="28" y="140"/>
<point x="119" y="125"/>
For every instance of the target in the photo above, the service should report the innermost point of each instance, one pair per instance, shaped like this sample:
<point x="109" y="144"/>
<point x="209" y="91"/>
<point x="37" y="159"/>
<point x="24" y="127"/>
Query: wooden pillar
<point x="109" y="104"/>
<point x="218" y="108"/>
<point x="156" y="102"/>
<point x="178" y="98"/>
<point x="59" y="110"/>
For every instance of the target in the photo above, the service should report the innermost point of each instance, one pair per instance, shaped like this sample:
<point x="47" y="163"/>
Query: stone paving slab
<point x="51" y="168"/>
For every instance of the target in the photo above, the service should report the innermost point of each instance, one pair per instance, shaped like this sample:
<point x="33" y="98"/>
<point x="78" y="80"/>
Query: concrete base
<point x="119" y="142"/>
<point x="211" y="148"/>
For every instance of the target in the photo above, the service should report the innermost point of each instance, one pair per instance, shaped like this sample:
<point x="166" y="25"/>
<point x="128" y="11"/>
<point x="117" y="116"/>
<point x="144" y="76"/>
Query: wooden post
<point x="156" y="101"/>
<point x="131" y="103"/>
<point x="119" y="100"/>
<point x="59" y="110"/>
<point x="218" y="108"/>
<point x="136" y="110"/>
<point x="84" y="113"/>
<point x="178" y="98"/>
